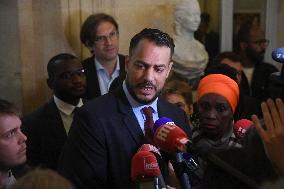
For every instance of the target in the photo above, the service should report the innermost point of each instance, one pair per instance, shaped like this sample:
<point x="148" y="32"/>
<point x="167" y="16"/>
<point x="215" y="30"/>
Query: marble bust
<point x="190" y="56"/>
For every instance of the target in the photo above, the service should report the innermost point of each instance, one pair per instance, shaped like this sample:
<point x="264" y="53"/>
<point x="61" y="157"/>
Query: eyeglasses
<point x="70" y="74"/>
<point x="261" y="42"/>
<point x="103" y="38"/>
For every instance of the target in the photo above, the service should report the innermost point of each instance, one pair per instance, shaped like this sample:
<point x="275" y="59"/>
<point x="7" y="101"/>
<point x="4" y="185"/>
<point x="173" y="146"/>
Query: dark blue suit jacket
<point x="46" y="135"/>
<point x="102" y="140"/>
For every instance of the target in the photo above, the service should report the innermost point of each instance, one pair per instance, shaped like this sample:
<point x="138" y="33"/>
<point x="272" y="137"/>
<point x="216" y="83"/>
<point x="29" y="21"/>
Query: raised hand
<point x="273" y="135"/>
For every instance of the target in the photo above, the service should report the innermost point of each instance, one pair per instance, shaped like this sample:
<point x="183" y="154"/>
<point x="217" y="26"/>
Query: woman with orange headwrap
<point x="218" y="97"/>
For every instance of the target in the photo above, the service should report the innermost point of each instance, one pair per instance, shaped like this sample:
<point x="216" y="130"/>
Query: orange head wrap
<point x="222" y="85"/>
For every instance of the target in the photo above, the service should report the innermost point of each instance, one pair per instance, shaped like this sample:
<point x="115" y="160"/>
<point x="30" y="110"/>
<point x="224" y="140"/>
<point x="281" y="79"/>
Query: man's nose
<point x="108" y="40"/>
<point x="22" y="137"/>
<point x="149" y="74"/>
<point x="78" y="78"/>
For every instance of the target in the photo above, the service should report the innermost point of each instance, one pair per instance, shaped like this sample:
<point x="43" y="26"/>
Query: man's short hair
<point x="229" y="55"/>
<point x="154" y="35"/>
<point x="8" y="108"/>
<point x="90" y="26"/>
<point x="51" y="65"/>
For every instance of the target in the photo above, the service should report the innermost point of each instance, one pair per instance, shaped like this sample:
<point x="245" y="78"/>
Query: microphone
<point x="173" y="139"/>
<point x="149" y="148"/>
<point x="162" y="121"/>
<point x="241" y="126"/>
<point x="278" y="56"/>
<point x="145" y="171"/>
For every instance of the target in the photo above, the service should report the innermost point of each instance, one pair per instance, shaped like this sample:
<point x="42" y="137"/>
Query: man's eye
<point x="99" y="38"/>
<point x="140" y="66"/>
<point x="11" y="133"/>
<point x="160" y="69"/>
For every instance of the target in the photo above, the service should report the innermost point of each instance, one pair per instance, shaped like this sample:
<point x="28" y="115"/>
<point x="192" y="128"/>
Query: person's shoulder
<point x="268" y="66"/>
<point x="38" y="117"/>
<point x="41" y="111"/>
<point x="102" y="104"/>
<point x="88" y="61"/>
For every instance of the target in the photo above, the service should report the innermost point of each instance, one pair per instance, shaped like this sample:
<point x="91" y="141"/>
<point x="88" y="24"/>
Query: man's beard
<point x="256" y="57"/>
<point x="132" y="93"/>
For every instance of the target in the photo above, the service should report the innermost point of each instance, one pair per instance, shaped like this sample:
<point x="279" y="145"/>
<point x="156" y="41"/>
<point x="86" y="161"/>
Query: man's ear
<point x="126" y="65"/>
<point x="90" y="47"/>
<point x="49" y="83"/>
<point x="170" y="68"/>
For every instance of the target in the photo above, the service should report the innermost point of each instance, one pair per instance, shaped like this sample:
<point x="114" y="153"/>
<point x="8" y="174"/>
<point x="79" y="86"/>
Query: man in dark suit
<point x="108" y="131"/>
<point x="251" y="47"/>
<point x="99" y="33"/>
<point x="48" y="126"/>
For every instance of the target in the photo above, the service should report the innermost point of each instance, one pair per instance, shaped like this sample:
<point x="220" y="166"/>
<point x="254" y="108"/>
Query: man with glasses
<point x="99" y="33"/>
<point x="47" y="128"/>
<point x="251" y="47"/>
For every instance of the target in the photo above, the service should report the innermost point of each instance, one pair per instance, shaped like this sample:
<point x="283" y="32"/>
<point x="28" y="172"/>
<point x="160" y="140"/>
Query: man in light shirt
<point x="47" y="128"/>
<point x="100" y="34"/>
<point x="12" y="142"/>
<point x="251" y="47"/>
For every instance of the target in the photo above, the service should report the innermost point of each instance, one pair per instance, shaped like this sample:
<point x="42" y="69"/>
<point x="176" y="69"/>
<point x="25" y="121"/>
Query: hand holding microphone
<point x="145" y="171"/>
<point x="172" y="139"/>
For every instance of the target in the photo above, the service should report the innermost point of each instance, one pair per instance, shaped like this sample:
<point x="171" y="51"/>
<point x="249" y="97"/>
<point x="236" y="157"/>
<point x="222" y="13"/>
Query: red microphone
<point x="149" y="148"/>
<point x="241" y="127"/>
<point x="144" y="164"/>
<point x="145" y="171"/>
<point x="171" y="138"/>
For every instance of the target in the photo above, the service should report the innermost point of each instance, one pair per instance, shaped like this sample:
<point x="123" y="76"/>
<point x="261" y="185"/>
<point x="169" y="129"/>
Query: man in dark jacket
<point x="99" y="33"/>
<point x="47" y="127"/>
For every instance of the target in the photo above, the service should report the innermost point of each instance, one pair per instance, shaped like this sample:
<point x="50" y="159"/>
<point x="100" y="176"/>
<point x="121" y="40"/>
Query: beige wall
<point x="43" y="28"/>
<point x="32" y="31"/>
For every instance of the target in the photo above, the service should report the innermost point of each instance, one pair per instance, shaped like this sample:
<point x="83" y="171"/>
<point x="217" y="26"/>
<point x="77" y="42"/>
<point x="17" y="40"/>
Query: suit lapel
<point x="129" y="119"/>
<point x="93" y="87"/>
<point x="54" y="121"/>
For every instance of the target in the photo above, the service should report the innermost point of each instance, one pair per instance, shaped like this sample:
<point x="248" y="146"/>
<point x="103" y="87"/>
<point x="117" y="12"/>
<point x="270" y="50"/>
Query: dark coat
<point x="260" y="81"/>
<point x="93" y="87"/>
<point x="102" y="140"/>
<point x="46" y="135"/>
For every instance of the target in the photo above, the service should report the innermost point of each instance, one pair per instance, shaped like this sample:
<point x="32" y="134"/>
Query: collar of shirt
<point x="9" y="180"/>
<point x="104" y="78"/>
<point x="65" y="107"/>
<point x="137" y="107"/>
<point x="99" y="66"/>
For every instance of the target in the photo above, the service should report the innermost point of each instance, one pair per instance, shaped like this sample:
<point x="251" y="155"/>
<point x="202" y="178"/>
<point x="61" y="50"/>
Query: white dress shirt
<point x="104" y="78"/>
<point x="66" y="111"/>
<point x="137" y="108"/>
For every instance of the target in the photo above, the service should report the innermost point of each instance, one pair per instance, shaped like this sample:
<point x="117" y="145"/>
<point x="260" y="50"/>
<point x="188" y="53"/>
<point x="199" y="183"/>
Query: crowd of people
<point x="103" y="109"/>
